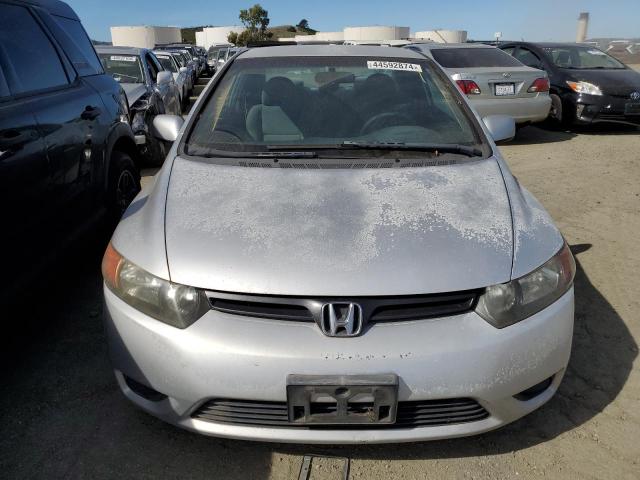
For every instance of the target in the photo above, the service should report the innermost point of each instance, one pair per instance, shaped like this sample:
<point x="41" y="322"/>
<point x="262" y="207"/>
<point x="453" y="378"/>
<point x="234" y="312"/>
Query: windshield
<point x="578" y="57"/>
<point x="473" y="58"/>
<point x="328" y="103"/>
<point x="167" y="63"/>
<point x="179" y="60"/>
<point x="123" y="68"/>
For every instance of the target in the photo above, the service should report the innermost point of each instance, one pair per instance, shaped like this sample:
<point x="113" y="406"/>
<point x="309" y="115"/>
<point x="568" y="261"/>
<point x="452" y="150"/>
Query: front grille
<point x="374" y="309"/>
<point x="420" y="413"/>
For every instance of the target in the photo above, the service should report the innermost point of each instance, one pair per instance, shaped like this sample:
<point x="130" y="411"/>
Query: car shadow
<point x="539" y="134"/>
<point x="61" y="408"/>
<point x="601" y="361"/>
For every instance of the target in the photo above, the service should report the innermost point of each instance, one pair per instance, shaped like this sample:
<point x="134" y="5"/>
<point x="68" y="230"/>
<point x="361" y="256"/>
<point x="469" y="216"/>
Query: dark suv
<point x="66" y="147"/>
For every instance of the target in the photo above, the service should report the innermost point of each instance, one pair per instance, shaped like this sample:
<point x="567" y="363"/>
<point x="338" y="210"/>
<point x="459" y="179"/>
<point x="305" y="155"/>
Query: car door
<point x="24" y="168"/>
<point x="168" y="91"/>
<point x="531" y="57"/>
<point x="66" y="109"/>
<point x="28" y="175"/>
<point x="158" y="93"/>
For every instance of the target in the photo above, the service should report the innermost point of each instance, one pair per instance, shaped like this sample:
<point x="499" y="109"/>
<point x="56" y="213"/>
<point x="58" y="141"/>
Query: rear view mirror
<point x="501" y="127"/>
<point x="167" y="127"/>
<point x="184" y="69"/>
<point x="164" y="78"/>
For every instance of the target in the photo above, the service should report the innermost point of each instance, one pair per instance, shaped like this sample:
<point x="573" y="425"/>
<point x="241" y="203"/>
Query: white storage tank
<point x="144" y="36"/>
<point x="376" y="33"/>
<point x="218" y="35"/>
<point x="201" y="39"/>
<point x="443" y="36"/>
<point x="329" y="36"/>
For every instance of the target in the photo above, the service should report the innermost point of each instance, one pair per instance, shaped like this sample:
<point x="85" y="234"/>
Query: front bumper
<point x="523" y="110"/>
<point x="230" y="357"/>
<point x="592" y="109"/>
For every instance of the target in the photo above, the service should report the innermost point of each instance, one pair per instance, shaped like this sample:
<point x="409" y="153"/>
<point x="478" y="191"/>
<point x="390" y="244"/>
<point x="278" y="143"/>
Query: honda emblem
<point x="341" y="319"/>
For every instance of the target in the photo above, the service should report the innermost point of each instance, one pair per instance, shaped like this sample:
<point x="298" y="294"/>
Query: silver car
<point x="151" y="90"/>
<point x="180" y="74"/>
<point x="336" y="252"/>
<point x="495" y="82"/>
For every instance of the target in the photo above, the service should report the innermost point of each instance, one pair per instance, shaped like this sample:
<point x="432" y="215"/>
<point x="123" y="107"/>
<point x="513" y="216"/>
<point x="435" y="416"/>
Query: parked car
<point x="180" y="74"/>
<point x="150" y="90"/>
<point x="219" y="54"/>
<point x="66" y="148"/>
<point x="183" y="61"/>
<point x="192" y="51"/>
<point x="214" y="55"/>
<point x="192" y="65"/>
<point x="335" y="251"/>
<point x="587" y="85"/>
<point x="495" y="83"/>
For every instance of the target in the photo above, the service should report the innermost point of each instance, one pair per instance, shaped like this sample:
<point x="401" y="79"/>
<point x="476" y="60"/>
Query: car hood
<point x="338" y="232"/>
<point x="134" y="91"/>
<point x="612" y="82"/>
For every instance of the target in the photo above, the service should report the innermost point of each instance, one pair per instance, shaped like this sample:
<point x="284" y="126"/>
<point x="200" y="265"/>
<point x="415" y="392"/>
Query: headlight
<point x="585" y="87"/>
<point x="509" y="303"/>
<point x="124" y="107"/>
<point x="138" y="123"/>
<point x="171" y="303"/>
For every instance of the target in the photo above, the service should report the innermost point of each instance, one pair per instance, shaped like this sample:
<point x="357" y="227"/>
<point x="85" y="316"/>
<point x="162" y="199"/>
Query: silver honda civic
<point x="335" y="252"/>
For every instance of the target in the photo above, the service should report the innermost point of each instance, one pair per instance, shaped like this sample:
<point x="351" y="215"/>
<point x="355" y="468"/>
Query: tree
<point x="303" y="24"/>
<point x="255" y="21"/>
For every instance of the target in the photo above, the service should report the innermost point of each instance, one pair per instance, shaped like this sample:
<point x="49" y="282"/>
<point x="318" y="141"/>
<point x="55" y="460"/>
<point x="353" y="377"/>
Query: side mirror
<point x="183" y="70"/>
<point x="167" y="127"/>
<point x="501" y="127"/>
<point x="164" y="78"/>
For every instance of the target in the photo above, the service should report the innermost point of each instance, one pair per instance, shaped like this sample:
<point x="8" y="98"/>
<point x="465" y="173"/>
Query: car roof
<point x="548" y="44"/>
<point x="330" y="51"/>
<point x="126" y="50"/>
<point x="55" y="7"/>
<point x="435" y="46"/>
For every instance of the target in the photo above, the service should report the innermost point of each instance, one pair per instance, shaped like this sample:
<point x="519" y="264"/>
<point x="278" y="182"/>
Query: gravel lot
<point x="61" y="415"/>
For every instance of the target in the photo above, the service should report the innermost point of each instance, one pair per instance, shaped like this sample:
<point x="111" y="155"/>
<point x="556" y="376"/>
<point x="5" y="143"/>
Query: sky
<point x="535" y="20"/>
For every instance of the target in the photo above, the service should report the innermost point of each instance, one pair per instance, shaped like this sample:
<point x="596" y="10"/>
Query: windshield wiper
<point x="354" y="145"/>
<point x="213" y="153"/>
<point x="420" y="147"/>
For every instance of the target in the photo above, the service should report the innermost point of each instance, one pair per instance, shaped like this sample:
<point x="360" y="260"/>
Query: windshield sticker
<point x="596" y="52"/>
<point x="381" y="65"/>
<point x="119" y="58"/>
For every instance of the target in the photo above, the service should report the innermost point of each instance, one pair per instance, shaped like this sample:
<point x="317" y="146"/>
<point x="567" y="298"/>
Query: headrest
<point x="277" y="91"/>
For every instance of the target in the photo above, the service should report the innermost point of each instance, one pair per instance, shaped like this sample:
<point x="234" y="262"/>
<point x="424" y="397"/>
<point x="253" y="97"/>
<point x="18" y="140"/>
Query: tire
<point x="556" y="114"/>
<point x="124" y="184"/>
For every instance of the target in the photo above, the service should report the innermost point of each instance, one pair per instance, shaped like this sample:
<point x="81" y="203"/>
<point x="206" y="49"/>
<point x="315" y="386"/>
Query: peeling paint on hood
<point x="338" y="232"/>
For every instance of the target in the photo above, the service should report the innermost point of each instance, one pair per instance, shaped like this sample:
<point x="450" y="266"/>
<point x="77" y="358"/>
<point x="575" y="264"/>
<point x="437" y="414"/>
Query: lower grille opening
<point x="413" y="414"/>
<point x="145" y="392"/>
<point x="534" y="391"/>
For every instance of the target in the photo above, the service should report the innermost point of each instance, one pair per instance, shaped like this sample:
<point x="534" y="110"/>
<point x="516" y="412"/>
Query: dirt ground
<point x="61" y="415"/>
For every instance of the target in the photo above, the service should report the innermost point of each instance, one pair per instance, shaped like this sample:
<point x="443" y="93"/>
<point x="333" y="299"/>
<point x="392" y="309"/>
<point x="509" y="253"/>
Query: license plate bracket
<point x="504" y="89"/>
<point x="342" y="399"/>
<point x="632" y="108"/>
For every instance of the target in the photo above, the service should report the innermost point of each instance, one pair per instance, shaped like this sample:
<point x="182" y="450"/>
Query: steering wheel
<point x="382" y="120"/>
<point x="226" y="136"/>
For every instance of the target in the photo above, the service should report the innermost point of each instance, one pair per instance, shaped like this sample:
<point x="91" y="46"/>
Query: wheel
<point x="556" y="113"/>
<point x="157" y="151"/>
<point x="124" y="184"/>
